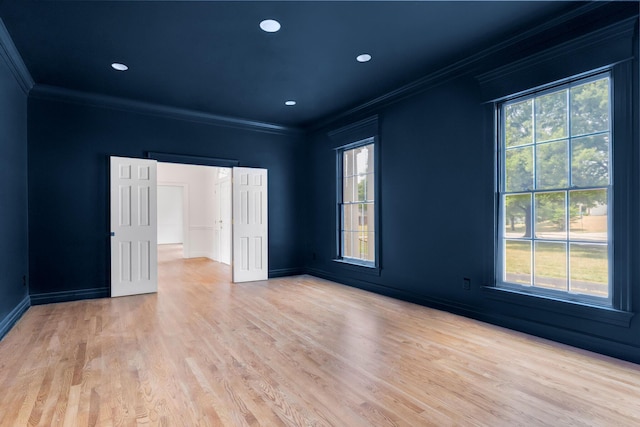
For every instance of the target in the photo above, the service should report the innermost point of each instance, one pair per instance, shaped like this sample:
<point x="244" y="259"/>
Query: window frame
<point x="340" y="151"/>
<point x="613" y="48"/>
<point x="348" y="136"/>
<point x="612" y="301"/>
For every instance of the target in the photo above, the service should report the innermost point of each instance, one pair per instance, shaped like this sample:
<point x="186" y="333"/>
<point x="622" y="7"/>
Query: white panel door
<point x="134" y="253"/>
<point x="250" y="239"/>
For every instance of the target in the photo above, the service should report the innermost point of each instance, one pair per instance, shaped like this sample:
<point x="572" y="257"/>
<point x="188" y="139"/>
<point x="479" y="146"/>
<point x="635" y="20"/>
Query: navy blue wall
<point x="69" y="146"/>
<point x="437" y="194"/>
<point x="13" y="198"/>
<point x="437" y="199"/>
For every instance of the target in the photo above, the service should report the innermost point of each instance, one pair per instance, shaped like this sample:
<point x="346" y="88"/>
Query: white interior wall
<point x="222" y="233"/>
<point x="214" y="213"/>
<point x="170" y="217"/>
<point x="198" y="182"/>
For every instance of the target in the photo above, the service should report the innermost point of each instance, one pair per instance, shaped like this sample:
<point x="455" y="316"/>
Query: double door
<point x="133" y="211"/>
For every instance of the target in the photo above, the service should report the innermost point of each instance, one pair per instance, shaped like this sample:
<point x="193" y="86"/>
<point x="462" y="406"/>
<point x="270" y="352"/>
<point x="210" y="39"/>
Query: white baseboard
<point x="201" y="254"/>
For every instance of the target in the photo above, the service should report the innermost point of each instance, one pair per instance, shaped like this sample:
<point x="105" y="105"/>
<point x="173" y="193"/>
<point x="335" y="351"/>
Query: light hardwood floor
<point x="294" y="351"/>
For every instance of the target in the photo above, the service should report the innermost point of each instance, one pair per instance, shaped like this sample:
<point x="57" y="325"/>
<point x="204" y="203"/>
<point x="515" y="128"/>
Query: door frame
<point x="202" y="161"/>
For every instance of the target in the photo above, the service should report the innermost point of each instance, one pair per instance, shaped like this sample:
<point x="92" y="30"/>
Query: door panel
<point x="250" y="238"/>
<point x="134" y="258"/>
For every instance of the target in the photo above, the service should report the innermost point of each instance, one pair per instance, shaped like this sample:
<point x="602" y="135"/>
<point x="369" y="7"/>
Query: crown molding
<point x="361" y="129"/>
<point x="458" y="68"/>
<point x="622" y="30"/>
<point x="11" y="56"/>
<point x="56" y="93"/>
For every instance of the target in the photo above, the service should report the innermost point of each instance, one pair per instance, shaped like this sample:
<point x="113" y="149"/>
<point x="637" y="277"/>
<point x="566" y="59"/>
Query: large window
<point x="356" y="203"/>
<point x="555" y="191"/>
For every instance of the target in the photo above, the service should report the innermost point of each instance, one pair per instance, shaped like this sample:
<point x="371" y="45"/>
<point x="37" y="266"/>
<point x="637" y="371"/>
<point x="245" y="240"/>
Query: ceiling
<point x="212" y="57"/>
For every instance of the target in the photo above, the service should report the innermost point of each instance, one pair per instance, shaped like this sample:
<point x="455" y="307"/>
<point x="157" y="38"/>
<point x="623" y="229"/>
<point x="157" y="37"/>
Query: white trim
<point x="202" y="254"/>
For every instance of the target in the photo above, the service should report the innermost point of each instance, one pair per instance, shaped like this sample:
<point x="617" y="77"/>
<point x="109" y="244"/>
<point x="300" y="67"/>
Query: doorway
<point x="194" y="211"/>
<point x="208" y="229"/>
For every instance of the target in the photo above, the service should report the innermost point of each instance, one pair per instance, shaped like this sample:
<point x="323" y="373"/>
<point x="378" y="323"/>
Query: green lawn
<point x="588" y="262"/>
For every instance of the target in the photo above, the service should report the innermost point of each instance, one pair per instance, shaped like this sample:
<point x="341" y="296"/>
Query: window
<point x="555" y="191"/>
<point x="356" y="203"/>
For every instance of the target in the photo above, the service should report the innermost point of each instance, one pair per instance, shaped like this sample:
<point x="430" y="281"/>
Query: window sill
<point x="358" y="267"/>
<point x="575" y="309"/>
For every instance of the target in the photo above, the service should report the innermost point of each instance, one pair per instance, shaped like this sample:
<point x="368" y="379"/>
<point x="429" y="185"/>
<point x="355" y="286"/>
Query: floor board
<point x="293" y="351"/>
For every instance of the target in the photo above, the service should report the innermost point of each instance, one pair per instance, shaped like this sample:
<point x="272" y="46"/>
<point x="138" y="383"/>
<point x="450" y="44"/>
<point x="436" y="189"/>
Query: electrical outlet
<point x="466" y="284"/>
<point x="24" y="280"/>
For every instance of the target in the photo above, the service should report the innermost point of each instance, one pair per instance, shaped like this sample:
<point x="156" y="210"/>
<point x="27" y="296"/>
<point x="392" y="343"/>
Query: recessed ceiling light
<point x="118" y="66"/>
<point x="365" y="57"/>
<point x="290" y="103"/>
<point x="270" y="25"/>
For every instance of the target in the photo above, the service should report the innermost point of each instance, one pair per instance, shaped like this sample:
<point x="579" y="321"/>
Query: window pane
<point x="361" y="183"/>
<point x="551" y="116"/>
<point x="348" y="165"/>
<point x="370" y="162"/>
<point x="590" y="161"/>
<point x="347" y="244"/>
<point x="552" y="169"/>
<point x="370" y="191"/>
<point x="518" y="123"/>
<point x="517" y="262"/>
<point x="551" y="265"/>
<point x="351" y="217"/>
<point x="590" y="107"/>
<point x="344" y="217"/>
<point x="551" y="215"/>
<point x="355" y="242"/>
<point x="369" y="218"/>
<point x="361" y="244"/>
<point x="361" y="217"/>
<point x="589" y="265"/>
<point x="519" y="169"/>
<point x="588" y="210"/>
<point x="517" y="209"/>
<point x="362" y="159"/>
<point x="370" y="249"/>
<point x="358" y="244"/>
<point x="348" y="189"/>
